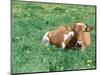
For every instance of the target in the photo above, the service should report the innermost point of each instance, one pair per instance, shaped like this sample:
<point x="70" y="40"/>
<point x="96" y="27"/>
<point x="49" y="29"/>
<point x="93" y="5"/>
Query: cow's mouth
<point x="79" y="43"/>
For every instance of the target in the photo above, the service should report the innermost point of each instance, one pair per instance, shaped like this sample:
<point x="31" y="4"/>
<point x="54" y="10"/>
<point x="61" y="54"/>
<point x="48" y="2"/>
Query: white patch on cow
<point x="45" y="39"/>
<point x="63" y="45"/>
<point x="80" y="42"/>
<point x="66" y="36"/>
<point x="71" y="33"/>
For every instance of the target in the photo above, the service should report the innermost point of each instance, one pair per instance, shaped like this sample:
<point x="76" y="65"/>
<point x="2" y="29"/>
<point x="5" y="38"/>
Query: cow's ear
<point x="72" y="28"/>
<point x="89" y="28"/>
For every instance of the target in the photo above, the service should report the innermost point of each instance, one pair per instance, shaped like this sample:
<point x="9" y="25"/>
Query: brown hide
<point x="57" y="36"/>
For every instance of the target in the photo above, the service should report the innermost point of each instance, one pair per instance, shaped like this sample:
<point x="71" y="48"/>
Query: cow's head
<point x="80" y="28"/>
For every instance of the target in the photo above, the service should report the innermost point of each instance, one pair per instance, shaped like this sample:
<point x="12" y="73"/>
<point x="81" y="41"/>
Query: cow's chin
<point x="79" y="43"/>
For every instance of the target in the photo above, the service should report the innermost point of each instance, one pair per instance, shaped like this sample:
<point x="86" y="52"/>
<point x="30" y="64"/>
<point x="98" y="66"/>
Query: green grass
<point x="31" y="20"/>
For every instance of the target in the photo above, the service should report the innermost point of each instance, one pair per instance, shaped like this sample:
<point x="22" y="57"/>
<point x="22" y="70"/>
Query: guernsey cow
<point x="69" y="36"/>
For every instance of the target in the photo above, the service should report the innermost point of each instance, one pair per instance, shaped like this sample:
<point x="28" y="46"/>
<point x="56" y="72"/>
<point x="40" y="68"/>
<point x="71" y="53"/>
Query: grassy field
<point x="31" y="20"/>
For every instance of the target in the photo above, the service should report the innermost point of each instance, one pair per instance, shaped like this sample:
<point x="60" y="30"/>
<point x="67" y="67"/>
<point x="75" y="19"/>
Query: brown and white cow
<point x="69" y="36"/>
